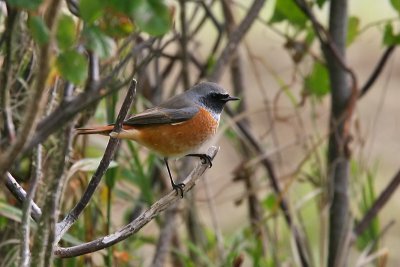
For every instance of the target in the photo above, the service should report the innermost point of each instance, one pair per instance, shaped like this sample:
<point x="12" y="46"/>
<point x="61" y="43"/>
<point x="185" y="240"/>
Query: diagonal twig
<point x="377" y="71"/>
<point x="378" y="205"/>
<point x="235" y="38"/>
<point x="63" y="226"/>
<point x="20" y="194"/>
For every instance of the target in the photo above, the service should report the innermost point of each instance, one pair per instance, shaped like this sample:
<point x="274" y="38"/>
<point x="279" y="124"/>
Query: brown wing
<point x="177" y="109"/>
<point x="161" y="115"/>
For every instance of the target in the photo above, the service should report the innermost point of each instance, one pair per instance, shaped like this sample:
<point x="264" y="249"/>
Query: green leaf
<point x="10" y="212"/>
<point x="310" y="37"/>
<point x="27" y="4"/>
<point x="389" y="37"/>
<point x="98" y="42"/>
<point x="72" y="66"/>
<point x="66" y="32"/>
<point x="91" y="10"/>
<point x="38" y="29"/>
<point x="396" y="5"/>
<point x="317" y="83"/>
<point x="372" y="232"/>
<point x="153" y="17"/>
<point x="353" y="30"/>
<point x="117" y="25"/>
<point x="125" y="7"/>
<point x="288" y="10"/>
<point x="270" y="202"/>
<point x="320" y="3"/>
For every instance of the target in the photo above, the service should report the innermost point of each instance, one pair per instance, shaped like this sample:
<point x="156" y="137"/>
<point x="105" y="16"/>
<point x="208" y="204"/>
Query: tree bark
<point x="338" y="160"/>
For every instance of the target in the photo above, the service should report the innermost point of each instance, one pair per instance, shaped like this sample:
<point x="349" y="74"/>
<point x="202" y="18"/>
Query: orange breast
<point x="180" y="138"/>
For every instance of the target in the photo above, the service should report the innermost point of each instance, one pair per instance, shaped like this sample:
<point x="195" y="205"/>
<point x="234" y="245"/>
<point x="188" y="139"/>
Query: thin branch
<point x="330" y="48"/>
<point x="134" y="226"/>
<point x="377" y="71"/>
<point x="6" y="74"/>
<point x="27" y="207"/>
<point x="208" y="15"/>
<point x="20" y="194"/>
<point x="94" y="72"/>
<point x="112" y="145"/>
<point x="184" y="46"/>
<point x="379" y="203"/>
<point x="235" y="38"/>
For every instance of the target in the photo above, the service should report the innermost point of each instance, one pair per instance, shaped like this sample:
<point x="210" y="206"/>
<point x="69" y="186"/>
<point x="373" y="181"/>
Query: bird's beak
<point x="231" y="98"/>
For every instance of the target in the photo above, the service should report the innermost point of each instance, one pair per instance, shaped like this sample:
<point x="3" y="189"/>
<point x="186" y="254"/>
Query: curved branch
<point x="377" y="71"/>
<point x="134" y="226"/>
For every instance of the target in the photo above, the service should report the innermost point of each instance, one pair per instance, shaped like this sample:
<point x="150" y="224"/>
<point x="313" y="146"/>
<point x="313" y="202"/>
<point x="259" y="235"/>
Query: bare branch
<point x="184" y="46"/>
<point x="377" y="71"/>
<point x="6" y="74"/>
<point x="27" y="207"/>
<point x="112" y="145"/>
<point x="379" y="203"/>
<point x="20" y="194"/>
<point x="133" y="227"/>
<point x="235" y="38"/>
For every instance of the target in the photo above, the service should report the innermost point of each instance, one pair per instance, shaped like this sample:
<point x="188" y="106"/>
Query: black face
<point x="216" y="101"/>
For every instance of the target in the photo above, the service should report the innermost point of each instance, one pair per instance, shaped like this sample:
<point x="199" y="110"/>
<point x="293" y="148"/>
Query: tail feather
<point x="104" y="130"/>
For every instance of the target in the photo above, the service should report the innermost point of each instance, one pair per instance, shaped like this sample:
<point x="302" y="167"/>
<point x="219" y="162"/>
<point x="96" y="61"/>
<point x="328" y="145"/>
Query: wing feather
<point x="162" y="115"/>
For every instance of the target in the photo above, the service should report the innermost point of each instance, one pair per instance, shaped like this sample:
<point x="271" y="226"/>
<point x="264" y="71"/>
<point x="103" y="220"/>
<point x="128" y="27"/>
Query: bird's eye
<point x="221" y="96"/>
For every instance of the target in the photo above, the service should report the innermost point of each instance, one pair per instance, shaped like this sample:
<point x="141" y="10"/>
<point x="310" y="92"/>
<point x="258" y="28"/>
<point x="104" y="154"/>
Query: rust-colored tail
<point x="104" y="130"/>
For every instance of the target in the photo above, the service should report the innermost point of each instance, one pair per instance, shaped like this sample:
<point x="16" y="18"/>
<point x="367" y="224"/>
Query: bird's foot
<point x="178" y="188"/>
<point x="205" y="159"/>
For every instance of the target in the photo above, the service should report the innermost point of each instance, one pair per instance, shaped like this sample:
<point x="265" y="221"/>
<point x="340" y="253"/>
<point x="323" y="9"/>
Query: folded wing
<point x="162" y="115"/>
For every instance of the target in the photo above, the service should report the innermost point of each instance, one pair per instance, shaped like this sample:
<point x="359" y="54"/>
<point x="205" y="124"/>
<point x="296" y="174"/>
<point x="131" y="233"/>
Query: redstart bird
<point x="177" y="127"/>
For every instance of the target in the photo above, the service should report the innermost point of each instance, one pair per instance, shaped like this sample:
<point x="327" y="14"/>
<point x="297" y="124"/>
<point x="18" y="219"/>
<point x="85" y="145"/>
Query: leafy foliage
<point x="353" y="30"/>
<point x="317" y="83"/>
<point x="72" y="66"/>
<point x="389" y="37"/>
<point x="27" y="4"/>
<point x="66" y="32"/>
<point x="38" y="29"/>
<point x="286" y="10"/>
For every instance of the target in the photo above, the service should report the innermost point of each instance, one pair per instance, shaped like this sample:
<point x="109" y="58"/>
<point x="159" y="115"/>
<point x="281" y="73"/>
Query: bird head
<point x="211" y="96"/>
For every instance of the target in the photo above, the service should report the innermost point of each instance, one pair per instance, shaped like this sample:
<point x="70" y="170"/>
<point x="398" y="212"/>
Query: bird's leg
<point x="176" y="187"/>
<point x="205" y="159"/>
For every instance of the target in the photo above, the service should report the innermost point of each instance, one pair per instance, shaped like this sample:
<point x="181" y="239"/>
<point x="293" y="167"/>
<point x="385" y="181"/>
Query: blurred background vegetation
<point x="299" y="168"/>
